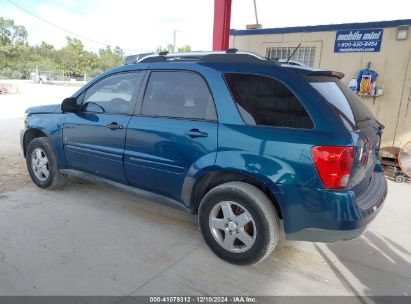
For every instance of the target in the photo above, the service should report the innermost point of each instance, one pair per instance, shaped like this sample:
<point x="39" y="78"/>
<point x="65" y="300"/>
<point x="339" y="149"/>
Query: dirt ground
<point x="12" y="162"/>
<point x="89" y="239"/>
<point x="13" y="106"/>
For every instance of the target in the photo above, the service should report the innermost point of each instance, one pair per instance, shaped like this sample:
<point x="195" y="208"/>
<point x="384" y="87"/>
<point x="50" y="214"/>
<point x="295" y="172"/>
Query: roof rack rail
<point x="231" y="55"/>
<point x="132" y="59"/>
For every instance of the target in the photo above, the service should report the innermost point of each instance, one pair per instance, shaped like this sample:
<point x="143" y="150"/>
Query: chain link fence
<point x="56" y="76"/>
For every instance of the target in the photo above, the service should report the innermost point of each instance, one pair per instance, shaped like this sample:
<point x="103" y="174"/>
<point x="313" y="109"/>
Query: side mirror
<point x="69" y="105"/>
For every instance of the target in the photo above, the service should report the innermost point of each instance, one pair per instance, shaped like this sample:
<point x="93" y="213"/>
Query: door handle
<point x="196" y="133"/>
<point x="114" y="126"/>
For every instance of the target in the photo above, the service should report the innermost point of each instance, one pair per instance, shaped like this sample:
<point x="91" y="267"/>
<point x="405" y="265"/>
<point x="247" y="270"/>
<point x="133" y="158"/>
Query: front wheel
<point x="239" y="223"/>
<point x="42" y="164"/>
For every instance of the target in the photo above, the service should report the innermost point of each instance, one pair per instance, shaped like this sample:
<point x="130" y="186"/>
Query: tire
<point x="262" y="228"/>
<point x="42" y="164"/>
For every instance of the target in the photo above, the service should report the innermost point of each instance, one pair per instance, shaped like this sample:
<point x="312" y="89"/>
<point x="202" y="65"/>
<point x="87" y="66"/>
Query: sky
<point x="142" y="25"/>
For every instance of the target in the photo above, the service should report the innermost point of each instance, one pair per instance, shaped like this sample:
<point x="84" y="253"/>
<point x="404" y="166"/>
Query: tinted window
<point x="265" y="101"/>
<point x="113" y="94"/>
<point x="178" y="94"/>
<point x="342" y="99"/>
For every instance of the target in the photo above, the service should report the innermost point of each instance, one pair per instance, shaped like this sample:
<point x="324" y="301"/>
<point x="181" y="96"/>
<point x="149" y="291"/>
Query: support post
<point x="222" y="17"/>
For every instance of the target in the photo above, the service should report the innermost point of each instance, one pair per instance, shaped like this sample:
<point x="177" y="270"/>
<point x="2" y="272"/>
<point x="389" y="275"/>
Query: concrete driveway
<point x="89" y="239"/>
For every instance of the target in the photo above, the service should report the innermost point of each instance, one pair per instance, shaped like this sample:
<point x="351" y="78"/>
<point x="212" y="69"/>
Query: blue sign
<point x="354" y="41"/>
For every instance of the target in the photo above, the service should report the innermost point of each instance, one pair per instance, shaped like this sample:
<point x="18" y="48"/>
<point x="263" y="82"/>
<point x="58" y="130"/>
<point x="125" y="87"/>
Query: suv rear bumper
<point x="336" y="215"/>
<point x="325" y="236"/>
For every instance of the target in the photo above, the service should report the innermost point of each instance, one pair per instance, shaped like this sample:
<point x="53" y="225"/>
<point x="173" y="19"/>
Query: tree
<point x="18" y="59"/>
<point x="184" y="49"/>
<point x="169" y="48"/>
<point x="70" y="57"/>
<point x="44" y="50"/>
<point x="109" y="58"/>
<point x="119" y="53"/>
<point x="12" y="34"/>
<point x="159" y="49"/>
<point x="13" y="49"/>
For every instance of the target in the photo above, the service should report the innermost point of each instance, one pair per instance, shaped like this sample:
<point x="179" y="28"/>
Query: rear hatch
<point x="360" y="121"/>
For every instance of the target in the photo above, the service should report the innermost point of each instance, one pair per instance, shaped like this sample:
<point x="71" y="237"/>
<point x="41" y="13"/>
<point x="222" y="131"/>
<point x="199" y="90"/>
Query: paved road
<point x="90" y="239"/>
<point x="31" y="94"/>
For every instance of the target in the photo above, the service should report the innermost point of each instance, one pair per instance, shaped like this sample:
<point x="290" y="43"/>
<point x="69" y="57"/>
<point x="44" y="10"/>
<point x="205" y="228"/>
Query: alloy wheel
<point x="232" y="226"/>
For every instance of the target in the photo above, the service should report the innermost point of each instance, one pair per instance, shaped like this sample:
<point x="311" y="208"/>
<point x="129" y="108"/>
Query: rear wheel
<point x="239" y="223"/>
<point x="42" y="164"/>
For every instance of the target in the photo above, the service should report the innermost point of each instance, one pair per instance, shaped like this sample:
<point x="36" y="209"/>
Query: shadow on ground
<point x="382" y="266"/>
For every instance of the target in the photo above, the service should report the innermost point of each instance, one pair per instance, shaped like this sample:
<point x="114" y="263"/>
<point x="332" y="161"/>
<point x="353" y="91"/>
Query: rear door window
<point x="178" y="94"/>
<point x="265" y="101"/>
<point x="345" y="102"/>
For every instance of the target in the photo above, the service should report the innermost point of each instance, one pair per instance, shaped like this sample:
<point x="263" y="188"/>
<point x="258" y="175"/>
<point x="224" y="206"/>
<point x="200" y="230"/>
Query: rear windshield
<point x="344" y="101"/>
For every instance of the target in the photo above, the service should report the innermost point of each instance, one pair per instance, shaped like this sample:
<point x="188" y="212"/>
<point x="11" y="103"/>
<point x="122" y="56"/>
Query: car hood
<point x="56" y="108"/>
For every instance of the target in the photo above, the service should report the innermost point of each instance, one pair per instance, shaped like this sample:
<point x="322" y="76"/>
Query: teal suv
<point x="244" y="142"/>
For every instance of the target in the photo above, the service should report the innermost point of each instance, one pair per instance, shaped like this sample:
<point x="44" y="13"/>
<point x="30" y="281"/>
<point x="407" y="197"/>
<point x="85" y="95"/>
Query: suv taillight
<point x="334" y="165"/>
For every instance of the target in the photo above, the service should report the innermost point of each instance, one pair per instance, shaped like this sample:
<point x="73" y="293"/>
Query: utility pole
<point x="174" y="43"/>
<point x="256" y="25"/>
<point x="255" y="11"/>
<point x="175" y="37"/>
